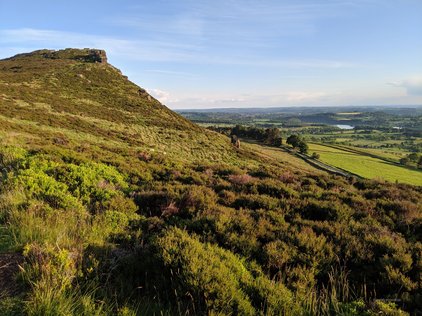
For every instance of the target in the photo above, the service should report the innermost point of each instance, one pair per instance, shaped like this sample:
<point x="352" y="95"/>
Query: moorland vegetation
<point x="114" y="204"/>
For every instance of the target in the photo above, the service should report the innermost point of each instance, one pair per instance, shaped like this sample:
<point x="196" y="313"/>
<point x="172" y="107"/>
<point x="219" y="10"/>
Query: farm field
<point x="365" y="166"/>
<point x="393" y="155"/>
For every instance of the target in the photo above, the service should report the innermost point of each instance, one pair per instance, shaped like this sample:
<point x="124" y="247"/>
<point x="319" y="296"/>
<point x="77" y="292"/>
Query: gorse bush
<point x="38" y="185"/>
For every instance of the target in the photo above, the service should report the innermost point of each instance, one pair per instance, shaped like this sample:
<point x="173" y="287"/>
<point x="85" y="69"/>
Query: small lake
<point x="344" y="126"/>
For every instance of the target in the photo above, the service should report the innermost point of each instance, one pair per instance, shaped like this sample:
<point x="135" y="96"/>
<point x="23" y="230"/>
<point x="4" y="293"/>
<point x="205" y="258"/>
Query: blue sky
<point x="238" y="53"/>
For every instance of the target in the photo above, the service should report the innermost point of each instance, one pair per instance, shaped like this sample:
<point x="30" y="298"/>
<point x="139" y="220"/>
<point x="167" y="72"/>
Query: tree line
<point x="269" y="136"/>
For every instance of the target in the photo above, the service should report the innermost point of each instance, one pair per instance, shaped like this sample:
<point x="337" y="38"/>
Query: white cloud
<point x="162" y="96"/>
<point x="291" y="98"/>
<point x="412" y="85"/>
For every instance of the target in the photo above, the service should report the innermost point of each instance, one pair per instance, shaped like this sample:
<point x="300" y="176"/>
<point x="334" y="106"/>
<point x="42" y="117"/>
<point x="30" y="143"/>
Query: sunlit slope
<point x="71" y="97"/>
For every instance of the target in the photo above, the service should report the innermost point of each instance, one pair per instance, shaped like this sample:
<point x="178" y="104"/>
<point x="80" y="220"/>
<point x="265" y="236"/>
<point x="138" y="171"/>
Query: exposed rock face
<point x="235" y="141"/>
<point x="98" y="55"/>
<point x="86" y="54"/>
<point x="143" y="93"/>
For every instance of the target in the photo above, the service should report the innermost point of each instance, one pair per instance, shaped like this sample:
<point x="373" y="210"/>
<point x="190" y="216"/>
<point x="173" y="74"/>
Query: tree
<point x="413" y="157"/>
<point x="315" y="156"/>
<point x="404" y="161"/>
<point x="293" y="140"/>
<point x="303" y="147"/>
<point x="297" y="142"/>
<point x="271" y="135"/>
<point x="278" y="141"/>
<point x="292" y="122"/>
<point x="420" y="163"/>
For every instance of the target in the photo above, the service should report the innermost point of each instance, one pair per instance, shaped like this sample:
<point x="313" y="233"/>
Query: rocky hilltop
<point x="86" y="55"/>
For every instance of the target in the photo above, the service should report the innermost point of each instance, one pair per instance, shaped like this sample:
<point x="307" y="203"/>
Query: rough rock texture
<point x="143" y="93"/>
<point x="86" y="54"/>
<point x="98" y="55"/>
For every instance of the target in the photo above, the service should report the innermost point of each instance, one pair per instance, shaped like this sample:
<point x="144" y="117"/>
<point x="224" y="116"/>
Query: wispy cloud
<point x="150" y="50"/>
<point x="181" y="74"/>
<point x="237" y="22"/>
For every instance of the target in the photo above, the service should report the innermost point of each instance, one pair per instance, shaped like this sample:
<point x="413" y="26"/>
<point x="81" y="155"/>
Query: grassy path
<point x="293" y="158"/>
<point x="279" y="154"/>
<point x="323" y="166"/>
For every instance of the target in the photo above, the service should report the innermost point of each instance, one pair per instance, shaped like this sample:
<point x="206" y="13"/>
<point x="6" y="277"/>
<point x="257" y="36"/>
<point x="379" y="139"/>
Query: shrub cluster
<point x="211" y="238"/>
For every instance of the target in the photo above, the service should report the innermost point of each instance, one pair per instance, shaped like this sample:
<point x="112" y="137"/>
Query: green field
<point x="391" y="154"/>
<point x="366" y="166"/>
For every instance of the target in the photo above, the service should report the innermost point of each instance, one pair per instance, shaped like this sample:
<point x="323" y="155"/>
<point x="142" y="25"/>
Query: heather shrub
<point x="318" y="210"/>
<point x="275" y="189"/>
<point x="197" y="198"/>
<point x="218" y="280"/>
<point x="256" y="201"/>
<point x="240" y="179"/>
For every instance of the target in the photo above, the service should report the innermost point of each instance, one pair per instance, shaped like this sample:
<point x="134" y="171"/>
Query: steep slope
<point x="77" y="93"/>
<point x="78" y="82"/>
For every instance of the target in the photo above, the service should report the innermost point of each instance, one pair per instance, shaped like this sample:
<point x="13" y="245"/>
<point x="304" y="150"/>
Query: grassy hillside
<point x="111" y="204"/>
<point x="55" y="97"/>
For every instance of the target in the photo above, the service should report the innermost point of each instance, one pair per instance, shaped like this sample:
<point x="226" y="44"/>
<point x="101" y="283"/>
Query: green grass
<point x="93" y="104"/>
<point x="365" y="166"/>
<point x="6" y="239"/>
<point x="388" y="154"/>
<point x="277" y="154"/>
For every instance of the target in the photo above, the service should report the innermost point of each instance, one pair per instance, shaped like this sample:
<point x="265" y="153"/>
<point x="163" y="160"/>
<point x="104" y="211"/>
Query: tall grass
<point x="331" y="298"/>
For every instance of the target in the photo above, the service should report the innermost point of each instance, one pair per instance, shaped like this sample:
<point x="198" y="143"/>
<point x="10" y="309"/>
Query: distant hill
<point x="299" y="110"/>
